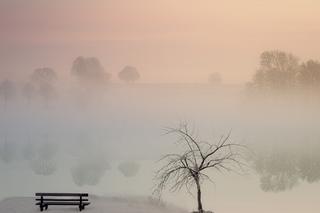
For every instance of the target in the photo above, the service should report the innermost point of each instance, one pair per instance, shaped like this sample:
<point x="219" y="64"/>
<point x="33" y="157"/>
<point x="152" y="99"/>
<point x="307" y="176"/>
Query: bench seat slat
<point x="63" y="203"/>
<point x="60" y="199"/>
<point x="62" y="194"/>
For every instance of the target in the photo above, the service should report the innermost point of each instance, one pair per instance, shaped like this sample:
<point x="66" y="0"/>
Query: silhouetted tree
<point x="215" y="79"/>
<point x="277" y="70"/>
<point x="44" y="80"/>
<point x="7" y="91"/>
<point x="129" y="168"/>
<point x="28" y="91"/>
<point x="129" y="74"/>
<point x="189" y="168"/>
<point x="309" y="74"/>
<point x="89" y="70"/>
<point x="44" y="75"/>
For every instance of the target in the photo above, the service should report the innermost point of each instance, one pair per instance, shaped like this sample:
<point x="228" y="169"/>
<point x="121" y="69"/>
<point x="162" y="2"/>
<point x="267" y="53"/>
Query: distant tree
<point x="44" y="75"/>
<point x="129" y="74"/>
<point x="189" y="168"/>
<point x="277" y="71"/>
<point x="129" y="168"/>
<point x="309" y="74"/>
<point x="215" y="79"/>
<point x="28" y="91"/>
<point x="47" y="92"/>
<point x="89" y="70"/>
<point x="44" y="80"/>
<point x="7" y="91"/>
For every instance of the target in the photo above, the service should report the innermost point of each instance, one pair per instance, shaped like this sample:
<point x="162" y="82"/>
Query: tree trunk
<point x="200" y="210"/>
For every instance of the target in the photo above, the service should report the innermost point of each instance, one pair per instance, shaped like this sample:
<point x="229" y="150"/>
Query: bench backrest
<point x="62" y="194"/>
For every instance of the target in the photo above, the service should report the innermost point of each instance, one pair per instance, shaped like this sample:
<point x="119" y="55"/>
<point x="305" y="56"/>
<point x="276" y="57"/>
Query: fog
<point x="88" y="87"/>
<point x="107" y="139"/>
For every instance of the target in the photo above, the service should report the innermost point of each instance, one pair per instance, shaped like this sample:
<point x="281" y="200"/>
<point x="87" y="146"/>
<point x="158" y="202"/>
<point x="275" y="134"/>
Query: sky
<point x="168" y="41"/>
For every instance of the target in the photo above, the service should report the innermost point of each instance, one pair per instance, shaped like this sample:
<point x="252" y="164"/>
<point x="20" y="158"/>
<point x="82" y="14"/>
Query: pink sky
<point x="167" y="40"/>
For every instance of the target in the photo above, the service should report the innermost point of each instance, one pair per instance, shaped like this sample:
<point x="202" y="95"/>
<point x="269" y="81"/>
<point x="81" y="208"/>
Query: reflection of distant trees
<point x="47" y="150"/>
<point x="277" y="171"/>
<point x="7" y="91"/>
<point x="41" y="157"/>
<point x="129" y="168"/>
<point x="309" y="165"/>
<point x="7" y="150"/>
<point x="29" y="151"/>
<point x="89" y="171"/>
<point x="43" y="166"/>
<point x="279" y="182"/>
<point x="282" y="170"/>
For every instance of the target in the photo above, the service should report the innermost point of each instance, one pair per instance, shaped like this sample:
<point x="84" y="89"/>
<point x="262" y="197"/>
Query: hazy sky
<point x="168" y="40"/>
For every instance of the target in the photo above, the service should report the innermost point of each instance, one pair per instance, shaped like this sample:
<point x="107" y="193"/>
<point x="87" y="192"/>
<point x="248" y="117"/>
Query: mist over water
<point x="106" y="140"/>
<point x="87" y="89"/>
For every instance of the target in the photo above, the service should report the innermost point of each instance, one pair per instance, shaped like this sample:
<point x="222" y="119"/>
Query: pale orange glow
<point x="170" y="41"/>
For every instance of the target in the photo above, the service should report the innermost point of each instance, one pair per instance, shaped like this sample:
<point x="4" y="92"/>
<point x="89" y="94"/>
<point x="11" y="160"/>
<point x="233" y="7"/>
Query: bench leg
<point x="46" y="206"/>
<point x="41" y="208"/>
<point x="81" y="207"/>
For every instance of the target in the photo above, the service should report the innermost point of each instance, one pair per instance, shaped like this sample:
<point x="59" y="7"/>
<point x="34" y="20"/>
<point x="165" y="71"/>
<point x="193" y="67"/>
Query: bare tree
<point x="189" y="168"/>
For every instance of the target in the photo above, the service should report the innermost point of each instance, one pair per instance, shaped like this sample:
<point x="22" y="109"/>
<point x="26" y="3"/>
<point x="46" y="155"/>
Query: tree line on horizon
<point x="42" y="81"/>
<point x="282" y="71"/>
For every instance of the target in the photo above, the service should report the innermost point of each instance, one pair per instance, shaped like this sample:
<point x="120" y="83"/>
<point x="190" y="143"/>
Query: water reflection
<point x="282" y="169"/>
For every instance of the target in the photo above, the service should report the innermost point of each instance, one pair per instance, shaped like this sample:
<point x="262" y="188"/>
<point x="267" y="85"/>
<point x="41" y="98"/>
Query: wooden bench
<point x="62" y="199"/>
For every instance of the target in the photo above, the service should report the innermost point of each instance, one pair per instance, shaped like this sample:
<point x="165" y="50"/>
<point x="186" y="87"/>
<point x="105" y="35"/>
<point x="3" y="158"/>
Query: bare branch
<point x="188" y="169"/>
